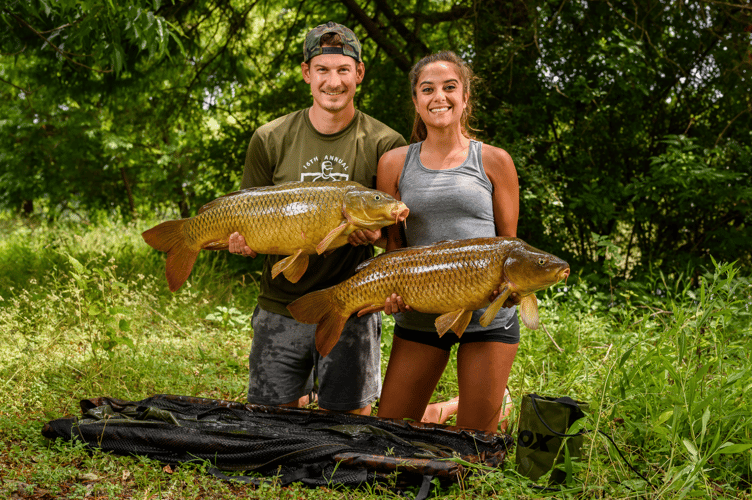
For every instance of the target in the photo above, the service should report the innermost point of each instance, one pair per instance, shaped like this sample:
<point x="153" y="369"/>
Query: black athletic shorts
<point x="504" y="335"/>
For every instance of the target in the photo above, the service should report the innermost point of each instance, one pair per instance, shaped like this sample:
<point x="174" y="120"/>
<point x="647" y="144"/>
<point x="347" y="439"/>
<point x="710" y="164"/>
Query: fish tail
<point x="168" y="237"/>
<point x="320" y="308"/>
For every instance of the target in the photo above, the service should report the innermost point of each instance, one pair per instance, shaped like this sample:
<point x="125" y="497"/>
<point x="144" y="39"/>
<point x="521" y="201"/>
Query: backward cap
<point x="312" y="46"/>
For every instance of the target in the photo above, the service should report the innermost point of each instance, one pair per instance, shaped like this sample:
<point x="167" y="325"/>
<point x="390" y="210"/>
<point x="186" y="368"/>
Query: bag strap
<point x="564" y="400"/>
<point x="576" y="410"/>
<point x="425" y="488"/>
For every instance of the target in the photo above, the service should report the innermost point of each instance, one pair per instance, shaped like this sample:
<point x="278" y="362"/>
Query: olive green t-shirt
<point x="290" y="149"/>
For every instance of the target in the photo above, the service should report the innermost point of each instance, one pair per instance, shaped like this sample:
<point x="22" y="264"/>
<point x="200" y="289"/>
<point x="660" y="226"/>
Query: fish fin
<point x="371" y="309"/>
<point x="216" y="245"/>
<point x="328" y="333"/>
<point x="168" y="237"/>
<point x="495" y="306"/>
<point x="462" y="322"/>
<point x="318" y="307"/>
<point x="293" y="266"/>
<point x="221" y="199"/>
<point x="529" y="311"/>
<point x="456" y="320"/>
<point x="296" y="269"/>
<point x="324" y="244"/>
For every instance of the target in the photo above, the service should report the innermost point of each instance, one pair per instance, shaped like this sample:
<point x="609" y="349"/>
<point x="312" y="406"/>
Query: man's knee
<point x="366" y="410"/>
<point x="298" y="403"/>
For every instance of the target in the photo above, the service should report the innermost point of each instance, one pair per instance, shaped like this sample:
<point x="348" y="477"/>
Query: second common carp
<point x="451" y="278"/>
<point x="295" y="218"/>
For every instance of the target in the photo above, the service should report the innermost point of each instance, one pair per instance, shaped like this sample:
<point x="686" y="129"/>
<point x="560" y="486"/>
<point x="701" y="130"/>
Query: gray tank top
<point x="451" y="204"/>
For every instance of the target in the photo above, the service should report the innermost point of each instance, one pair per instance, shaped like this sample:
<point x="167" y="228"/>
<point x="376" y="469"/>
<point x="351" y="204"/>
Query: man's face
<point x="333" y="79"/>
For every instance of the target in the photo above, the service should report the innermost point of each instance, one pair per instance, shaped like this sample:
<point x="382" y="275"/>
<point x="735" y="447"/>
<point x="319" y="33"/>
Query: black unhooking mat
<point x="312" y="446"/>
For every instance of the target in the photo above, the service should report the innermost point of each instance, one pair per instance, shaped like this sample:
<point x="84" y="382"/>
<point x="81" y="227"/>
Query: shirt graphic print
<point x="317" y="169"/>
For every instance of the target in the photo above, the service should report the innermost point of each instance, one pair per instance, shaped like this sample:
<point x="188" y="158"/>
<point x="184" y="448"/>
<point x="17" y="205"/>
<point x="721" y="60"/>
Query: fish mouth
<point x="400" y="213"/>
<point x="397" y="214"/>
<point x="563" y="274"/>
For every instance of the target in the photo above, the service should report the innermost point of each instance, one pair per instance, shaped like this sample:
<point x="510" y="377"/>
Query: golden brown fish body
<point x="296" y="219"/>
<point x="451" y="278"/>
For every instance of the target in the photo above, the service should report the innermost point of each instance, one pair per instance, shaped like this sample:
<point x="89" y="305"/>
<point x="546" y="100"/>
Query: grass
<point x="663" y="362"/>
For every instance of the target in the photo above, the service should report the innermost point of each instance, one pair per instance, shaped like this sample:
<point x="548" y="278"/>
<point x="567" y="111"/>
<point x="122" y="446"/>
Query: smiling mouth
<point x="438" y="110"/>
<point x="333" y="93"/>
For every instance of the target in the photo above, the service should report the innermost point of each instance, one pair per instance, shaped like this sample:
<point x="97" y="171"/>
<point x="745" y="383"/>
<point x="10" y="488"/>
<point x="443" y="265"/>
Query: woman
<point x="456" y="188"/>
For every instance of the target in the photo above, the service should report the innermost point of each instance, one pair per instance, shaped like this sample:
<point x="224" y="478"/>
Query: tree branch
<point x="57" y="49"/>
<point x="27" y="92"/>
<point x="399" y="26"/>
<point x="749" y="108"/>
<point x="735" y="5"/>
<point x="378" y="36"/>
<point x="453" y="14"/>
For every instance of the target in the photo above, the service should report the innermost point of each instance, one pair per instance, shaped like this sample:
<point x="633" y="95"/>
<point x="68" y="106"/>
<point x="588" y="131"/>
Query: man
<point x="331" y="140"/>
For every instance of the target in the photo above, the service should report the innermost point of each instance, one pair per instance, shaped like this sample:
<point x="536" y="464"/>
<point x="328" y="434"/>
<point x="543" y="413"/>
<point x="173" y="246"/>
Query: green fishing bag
<point x="542" y="427"/>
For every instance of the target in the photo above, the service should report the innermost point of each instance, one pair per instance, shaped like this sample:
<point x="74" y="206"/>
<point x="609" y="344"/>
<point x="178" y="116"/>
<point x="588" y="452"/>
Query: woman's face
<point x="440" y="97"/>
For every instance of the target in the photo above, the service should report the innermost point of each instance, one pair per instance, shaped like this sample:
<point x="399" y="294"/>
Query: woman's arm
<point x="500" y="170"/>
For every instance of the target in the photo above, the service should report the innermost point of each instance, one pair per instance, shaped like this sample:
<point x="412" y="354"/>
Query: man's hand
<point x="394" y="304"/>
<point x="364" y="237"/>
<point x="238" y="246"/>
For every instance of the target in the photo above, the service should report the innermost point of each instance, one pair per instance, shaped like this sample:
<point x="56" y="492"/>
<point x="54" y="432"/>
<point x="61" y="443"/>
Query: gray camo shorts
<point x="284" y="363"/>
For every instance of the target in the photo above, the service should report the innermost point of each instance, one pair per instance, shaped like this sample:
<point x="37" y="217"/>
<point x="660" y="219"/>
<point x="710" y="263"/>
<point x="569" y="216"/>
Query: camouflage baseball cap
<point x="312" y="46"/>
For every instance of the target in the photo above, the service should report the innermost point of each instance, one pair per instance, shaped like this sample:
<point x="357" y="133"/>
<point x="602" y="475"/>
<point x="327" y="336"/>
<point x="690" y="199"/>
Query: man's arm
<point x="259" y="167"/>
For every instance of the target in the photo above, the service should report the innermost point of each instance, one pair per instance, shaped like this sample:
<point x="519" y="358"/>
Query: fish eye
<point x="377" y="197"/>
<point x="541" y="261"/>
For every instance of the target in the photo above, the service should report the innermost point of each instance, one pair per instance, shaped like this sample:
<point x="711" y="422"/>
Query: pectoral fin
<point x="371" y="309"/>
<point x="529" y="311"/>
<point x="495" y="306"/>
<point x="456" y="320"/>
<point x="293" y="266"/>
<point x="324" y="244"/>
<point x="216" y="245"/>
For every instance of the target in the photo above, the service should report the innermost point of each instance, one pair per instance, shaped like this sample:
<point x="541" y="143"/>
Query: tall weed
<point x="662" y="360"/>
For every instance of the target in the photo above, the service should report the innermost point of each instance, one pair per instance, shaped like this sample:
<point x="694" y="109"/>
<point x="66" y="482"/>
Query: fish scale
<point x="450" y="278"/>
<point x="243" y="214"/>
<point x="295" y="219"/>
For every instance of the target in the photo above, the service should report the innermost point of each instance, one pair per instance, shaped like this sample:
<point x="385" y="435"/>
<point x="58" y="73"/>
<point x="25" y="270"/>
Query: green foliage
<point x="662" y="361"/>
<point x="90" y="34"/>
<point x="627" y="121"/>
<point x="700" y="370"/>
<point x="591" y="99"/>
<point x="693" y="202"/>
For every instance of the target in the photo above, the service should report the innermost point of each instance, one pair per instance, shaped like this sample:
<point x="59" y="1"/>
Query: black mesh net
<point x="311" y="446"/>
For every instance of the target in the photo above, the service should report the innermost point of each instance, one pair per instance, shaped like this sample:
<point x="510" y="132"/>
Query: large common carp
<point x="451" y="278"/>
<point x="295" y="218"/>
